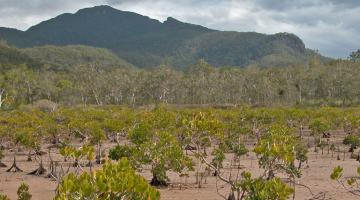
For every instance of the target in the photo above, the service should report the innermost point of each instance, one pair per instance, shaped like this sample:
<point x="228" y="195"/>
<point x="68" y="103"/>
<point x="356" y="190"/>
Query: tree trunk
<point x="52" y="168"/>
<point x="198" y="179"/>
<point x="2" y="91"/>
<point x="40" y="170"/>
<point x="14" y="167"/>
<point x="300" y="94"/>
<point x="29" y="159"/>
<point x="156" y="182"/>
<point x="231" y="196"/>
<point x="293" y="181"/>
<point x="76" y="163"/>
<point x="301" y="130"/>
<point x="2" y="164"/>
<point x="98" y="157"/>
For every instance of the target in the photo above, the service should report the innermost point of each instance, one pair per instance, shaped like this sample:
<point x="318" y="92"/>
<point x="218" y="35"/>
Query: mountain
<point x="10" y="57"/>
<point x="59" y="58"/>
<point x="63" y="58"/>
<point x="146" y="42"/>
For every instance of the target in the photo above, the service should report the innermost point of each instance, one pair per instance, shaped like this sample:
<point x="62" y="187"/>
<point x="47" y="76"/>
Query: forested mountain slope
<point x="146" y="42"/>
<point x="60" y="58"/>
<point x="10" y="57"/>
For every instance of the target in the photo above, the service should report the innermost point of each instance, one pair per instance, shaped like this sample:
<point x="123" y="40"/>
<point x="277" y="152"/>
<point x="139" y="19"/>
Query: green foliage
<point x="276" y="151"/>
<point x="351" y="122"/>
<point x="112" y="181"/>
<point x="155" y="146"/>
<point x="263" y="189"/>
<point x="201" y="128"/>
<point x="63" y="58"/>
<point x="77" y="154"/>
<point x="301" y="152"/>
<point x="352" y="140"/>
<point x="156" y="138"/>
<point x="318" y="126"/>
<point x="322" y="144"/>
<point x="164" y="153"/>
<point x="4" y="197"/>
<point x="10" y="57"/>
<point x="218" y="158"/>
<point x="240" y="150"/>
<point x="26" y="127"/>
<point x="66" y="151"/>
<point x="102" y="84"/>
<point x="23" y="192"/>
<point x="332" y="147"/>
<point x="140" y="134"/>
<point x="337" y="173"/>
<point x="119" y="152"/>
<point x="351" y="185"/>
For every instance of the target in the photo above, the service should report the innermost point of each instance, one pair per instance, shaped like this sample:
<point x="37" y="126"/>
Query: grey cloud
<point x="22" y="14"/>
<point x="346" y="3"/>
<point x="283" y="5"/>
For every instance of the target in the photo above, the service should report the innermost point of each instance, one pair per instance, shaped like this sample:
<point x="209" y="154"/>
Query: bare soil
<point x="315" y="176"/>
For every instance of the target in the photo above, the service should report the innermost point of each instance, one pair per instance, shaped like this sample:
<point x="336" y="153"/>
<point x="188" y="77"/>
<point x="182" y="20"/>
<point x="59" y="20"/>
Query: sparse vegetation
<point x="171" y="108"/>
<point x="183" y="141"/>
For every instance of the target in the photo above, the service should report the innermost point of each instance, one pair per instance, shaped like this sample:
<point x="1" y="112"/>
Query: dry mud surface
<point x="315" y="176"/>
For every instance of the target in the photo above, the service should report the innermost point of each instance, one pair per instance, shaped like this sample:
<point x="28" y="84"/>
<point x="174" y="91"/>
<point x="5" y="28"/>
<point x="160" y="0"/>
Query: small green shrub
<point x="23" y="192"/>
<point x="119" y="152"/>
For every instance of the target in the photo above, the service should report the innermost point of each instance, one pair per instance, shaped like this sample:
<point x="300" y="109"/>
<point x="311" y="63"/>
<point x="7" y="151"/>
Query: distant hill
<point x="146" y="42"/>
<point x="10" y="57"/>
<point x="59" y="58"/>
<point x="62" y="58"/>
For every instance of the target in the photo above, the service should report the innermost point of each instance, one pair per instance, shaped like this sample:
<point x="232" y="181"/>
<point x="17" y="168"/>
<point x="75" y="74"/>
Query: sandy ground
<point x="316" y="177"/>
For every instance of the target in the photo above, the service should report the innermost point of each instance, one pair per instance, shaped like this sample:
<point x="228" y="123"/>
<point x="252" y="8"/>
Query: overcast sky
<point x="330" y="26"/>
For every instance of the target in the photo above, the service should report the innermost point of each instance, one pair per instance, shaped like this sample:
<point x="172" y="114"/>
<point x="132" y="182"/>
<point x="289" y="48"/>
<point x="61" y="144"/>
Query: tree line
<point x="336" y="83"/>
<point x="86" y="75"/>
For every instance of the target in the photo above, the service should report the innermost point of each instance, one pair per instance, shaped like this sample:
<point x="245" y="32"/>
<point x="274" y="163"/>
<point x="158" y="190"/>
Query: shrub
<point x="23" y="192"/>
<point x="352" y="140"/>
<point x="114" y="181"/>
<point x="119" y="152"/>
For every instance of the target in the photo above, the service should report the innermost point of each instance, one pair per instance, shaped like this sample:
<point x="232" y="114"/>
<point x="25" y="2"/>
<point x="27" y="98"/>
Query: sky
<point x="330" y="26"/>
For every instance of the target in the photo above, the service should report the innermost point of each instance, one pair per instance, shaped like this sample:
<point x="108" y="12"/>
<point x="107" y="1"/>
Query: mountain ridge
<point x="147" y="42"/>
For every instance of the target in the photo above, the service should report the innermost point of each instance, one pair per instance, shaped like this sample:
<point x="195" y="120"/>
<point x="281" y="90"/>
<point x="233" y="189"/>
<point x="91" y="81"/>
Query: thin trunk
<point x="98" y="101"/>
<point x="52" y="167"/>
<point x="328" y="149"/>
<point x="2" y="164"/>
<point x="2" y="91"/>
<point x="300" y="94"/>
<point x="14" y="167"/>
<point x="40" y="170"/>
<point x="29" y="159"/>
<point x="301" y="130"/>
<point x="98" y="157"/>
<point x="293" y="181"/>
<point x="198" y="178"/>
